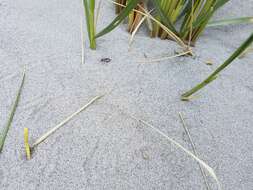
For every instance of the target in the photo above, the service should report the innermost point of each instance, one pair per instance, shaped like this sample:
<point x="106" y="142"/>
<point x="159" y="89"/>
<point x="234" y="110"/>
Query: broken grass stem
<point x="27" y="146"/>
<point x="51" y="131"/>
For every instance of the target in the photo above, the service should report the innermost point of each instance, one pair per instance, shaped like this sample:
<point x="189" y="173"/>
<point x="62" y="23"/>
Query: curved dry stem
<point x="165" y="58"/>
<point x="189" y="153"/>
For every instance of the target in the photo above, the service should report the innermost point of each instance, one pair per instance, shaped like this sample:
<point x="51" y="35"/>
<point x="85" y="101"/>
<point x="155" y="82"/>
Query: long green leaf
<point x="242" y="20"/>
<point x="220" y="3"/>
<point x="89" y="7"/>
<point x="213" y="76"/>
<point x="123" y="14"/>
<point x="13" y="110"/>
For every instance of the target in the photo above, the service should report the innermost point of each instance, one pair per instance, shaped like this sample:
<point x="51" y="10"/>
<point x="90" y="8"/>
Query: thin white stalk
<point x="175" y="143"/>
<point x="82" y="41"/>
<point x="136" y="30"/>
<point x="98" y="12"/>
<point x="51" y="131"/>
<point x="149" y="22"/>
<point x="194" y="150"/>
<point x="164" y="58"/>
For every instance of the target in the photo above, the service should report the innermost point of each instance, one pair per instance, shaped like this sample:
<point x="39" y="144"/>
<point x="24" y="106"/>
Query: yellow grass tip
<point x="27" y="146"/>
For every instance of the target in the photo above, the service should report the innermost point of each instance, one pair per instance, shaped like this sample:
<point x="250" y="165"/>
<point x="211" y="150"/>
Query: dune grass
<point x="214" y="75"/>
<point x="4" y="133"/>
<point x="185" y="18"/>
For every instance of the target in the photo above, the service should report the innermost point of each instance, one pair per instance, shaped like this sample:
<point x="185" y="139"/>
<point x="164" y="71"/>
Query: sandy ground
<point x="103" y="148"/>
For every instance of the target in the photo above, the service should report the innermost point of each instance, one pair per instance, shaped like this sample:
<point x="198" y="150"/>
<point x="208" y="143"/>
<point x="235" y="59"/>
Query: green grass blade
<point x="242" y="20"/>
<point x="13" y="110"/>
<point x="89" y="7"/>
<point x="186" y="9"/>
<point x="213" y="76"/>
<point x="163" y="16"/>
<point x="123" y="14"/>
<point x="220" y="3"/>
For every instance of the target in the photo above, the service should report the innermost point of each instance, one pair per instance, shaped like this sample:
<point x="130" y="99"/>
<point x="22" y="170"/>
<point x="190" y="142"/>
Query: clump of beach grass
<point x="185" y="18"/>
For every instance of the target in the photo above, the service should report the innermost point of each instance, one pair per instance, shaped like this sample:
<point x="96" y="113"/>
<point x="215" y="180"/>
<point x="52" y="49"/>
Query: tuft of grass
<point x="4" y="133"/>
<point x="196" y="18"/>
<point x="166" y="29"/>
<point x="192" y="17"/>
<point x="214" y="75"/>
<point x="195" y="15"/>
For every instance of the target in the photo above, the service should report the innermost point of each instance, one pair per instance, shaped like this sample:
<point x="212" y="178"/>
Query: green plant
<point x="122" y="15"/>
<point x="89" y="7"/>
<point x="192" y="16"/>
<point x="214" y="75"/>
<point x="4" y="133"/>
<point x="197" y="17"/>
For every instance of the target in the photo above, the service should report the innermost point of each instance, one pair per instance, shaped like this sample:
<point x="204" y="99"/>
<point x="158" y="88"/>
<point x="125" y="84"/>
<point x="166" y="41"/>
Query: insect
<point x="105" y="60"/>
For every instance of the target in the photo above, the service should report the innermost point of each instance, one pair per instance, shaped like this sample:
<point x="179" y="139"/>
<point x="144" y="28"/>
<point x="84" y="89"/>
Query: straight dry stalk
<point x="194" y="150"/>
<point x="51" y="131"/>
<point x="213" y="76"/>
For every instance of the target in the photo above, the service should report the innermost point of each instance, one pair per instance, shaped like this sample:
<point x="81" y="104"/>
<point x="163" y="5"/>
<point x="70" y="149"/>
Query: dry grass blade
<point x="136" y="29"/>
<point x="82" y="42"/>
<point x="98" y="12"/>
<point x="194" y="150"/>
<point x="242" y="20"/>
<point x="3" y="135"/>
<point x="165" y="58"/>
<point x="51" y="131"/>
<point x="175" y="143"/>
